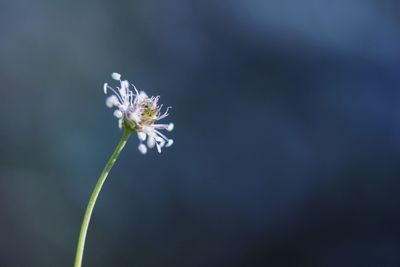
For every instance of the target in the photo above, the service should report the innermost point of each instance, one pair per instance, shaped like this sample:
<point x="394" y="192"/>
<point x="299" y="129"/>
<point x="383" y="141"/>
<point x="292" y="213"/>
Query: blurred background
<point x="287" y="133"/>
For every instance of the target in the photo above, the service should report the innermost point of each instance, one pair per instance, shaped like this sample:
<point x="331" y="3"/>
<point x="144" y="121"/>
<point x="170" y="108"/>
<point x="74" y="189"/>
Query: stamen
<point x="125" y="84"/>
<point x="169" y="143"/>
<point x="142" y="148"/>
<point x="158" y="139"/>
<point x="142" y="95"/>
<point x="116" y="93"/>
<point x="151" y="142"/>
<point x="164" y="115"/>
<point x="105" y="88"/>
<point x="162" y="143"/>
<point x="125" y="88"/>
<point x="134" y="87"/>
<point x="160" y="126"/>
<point x="112" y="101"/>
<point x="160" y="134"/>
<point x="158" y="148"/>
<point x="141" y="136"/>
<point x="130" y="97"/>
<point x="118" y="113"/>
<point x="116" y="76"/>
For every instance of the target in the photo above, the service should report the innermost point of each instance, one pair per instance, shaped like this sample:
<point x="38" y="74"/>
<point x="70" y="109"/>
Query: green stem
<point x="86" y="219"/>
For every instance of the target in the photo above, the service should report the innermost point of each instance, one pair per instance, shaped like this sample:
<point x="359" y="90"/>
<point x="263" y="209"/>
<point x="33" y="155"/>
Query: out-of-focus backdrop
<point x="287" y="137"/>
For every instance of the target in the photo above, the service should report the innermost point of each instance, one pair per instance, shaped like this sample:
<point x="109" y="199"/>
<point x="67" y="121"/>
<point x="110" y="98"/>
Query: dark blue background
<point x="287" y="137"/>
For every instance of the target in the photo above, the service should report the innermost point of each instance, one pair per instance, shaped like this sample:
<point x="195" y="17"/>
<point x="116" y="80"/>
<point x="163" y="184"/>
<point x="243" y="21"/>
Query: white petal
<point x="169" y="143"/>
<point x="170" y="127"/>
<point x="142" y="148"/>
<point x="105" y="88"/>
<point x="141" y="136"/>
<point x="120" y="123"/>
<point x="118" y="113"/>
<point x="116" y="76"/>
<point x="151" y="142"/>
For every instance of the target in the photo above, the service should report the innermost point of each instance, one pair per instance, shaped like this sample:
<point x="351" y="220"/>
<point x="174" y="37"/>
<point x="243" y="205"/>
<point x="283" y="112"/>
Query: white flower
<point x="139" y="112"/>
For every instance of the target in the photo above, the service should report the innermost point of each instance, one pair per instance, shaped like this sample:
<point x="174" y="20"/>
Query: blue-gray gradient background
<point x="287" y="137"/>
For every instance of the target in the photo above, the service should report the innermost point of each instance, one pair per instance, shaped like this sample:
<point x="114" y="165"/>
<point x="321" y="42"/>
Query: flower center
<point x="149" y="114"/>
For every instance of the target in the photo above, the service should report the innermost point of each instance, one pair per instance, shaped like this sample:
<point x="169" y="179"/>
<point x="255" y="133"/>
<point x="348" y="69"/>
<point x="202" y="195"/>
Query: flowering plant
<point x="136" y="112"/>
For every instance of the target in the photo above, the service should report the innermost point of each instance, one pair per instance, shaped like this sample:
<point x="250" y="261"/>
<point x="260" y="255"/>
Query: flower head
<point x="140" y="113"/>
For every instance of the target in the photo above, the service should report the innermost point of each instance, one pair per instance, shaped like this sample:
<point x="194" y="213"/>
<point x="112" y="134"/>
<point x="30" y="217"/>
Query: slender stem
<point x="86" y="219"/>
